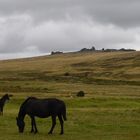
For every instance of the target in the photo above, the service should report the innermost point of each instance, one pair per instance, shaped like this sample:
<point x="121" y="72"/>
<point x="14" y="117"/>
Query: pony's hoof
<point x="35" y="132"/>
<point x="31" y="131"/>
<point x="61" y="133"/>
<point x="49" y="133"/>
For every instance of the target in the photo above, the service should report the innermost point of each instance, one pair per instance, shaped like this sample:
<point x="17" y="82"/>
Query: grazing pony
<point x="42" y="108"/>
<point x="2" y="102"/>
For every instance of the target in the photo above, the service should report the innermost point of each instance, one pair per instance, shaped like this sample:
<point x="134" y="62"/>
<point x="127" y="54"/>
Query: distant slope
<point x="99" y="68"/>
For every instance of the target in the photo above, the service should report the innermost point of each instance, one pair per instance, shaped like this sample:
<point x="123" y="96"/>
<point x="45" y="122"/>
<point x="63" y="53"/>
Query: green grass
<point x="88" y="118"/>
<point x="110" y="109"/>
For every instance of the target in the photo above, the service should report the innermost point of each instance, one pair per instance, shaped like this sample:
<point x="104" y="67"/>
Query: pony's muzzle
<point x="20" y="131"/>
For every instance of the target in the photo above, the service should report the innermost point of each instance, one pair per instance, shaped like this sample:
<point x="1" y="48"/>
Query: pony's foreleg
<point x="1" y="111"/>
<point x="61" y="123"/>
<point x="32" y="125"/>
<point x="35" y="125"/>
<point x="53" y="124"/>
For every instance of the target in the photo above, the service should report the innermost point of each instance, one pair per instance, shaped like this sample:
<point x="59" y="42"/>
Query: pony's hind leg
<point x="61" y="123"/>
<point x="53" y="124"/>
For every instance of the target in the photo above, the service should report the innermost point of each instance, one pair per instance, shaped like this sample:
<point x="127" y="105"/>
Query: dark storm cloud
<point x="120" y="12"/>
<point x="39" y="26"/>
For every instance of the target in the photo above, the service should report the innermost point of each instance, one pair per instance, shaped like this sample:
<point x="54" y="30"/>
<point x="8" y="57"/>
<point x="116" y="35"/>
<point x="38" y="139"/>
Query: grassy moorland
<point x="109" y="111"/>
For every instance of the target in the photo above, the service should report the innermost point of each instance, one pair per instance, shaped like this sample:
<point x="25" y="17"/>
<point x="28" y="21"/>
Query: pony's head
<point x="20" y="124"/>
<point x="6" y="97"/>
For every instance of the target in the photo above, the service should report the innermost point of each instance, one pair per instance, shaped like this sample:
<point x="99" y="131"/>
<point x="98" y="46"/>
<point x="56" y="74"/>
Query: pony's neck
<point x="22" y="111"/>
<point x="21" y="114"/>
<point x="3" y="99"/>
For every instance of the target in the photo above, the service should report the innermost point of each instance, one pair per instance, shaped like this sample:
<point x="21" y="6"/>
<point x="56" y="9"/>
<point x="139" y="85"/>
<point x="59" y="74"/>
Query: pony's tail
<point x="64" y="113"/>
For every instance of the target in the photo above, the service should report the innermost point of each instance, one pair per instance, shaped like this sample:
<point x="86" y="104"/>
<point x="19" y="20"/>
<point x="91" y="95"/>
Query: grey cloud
<point x="12" y="33"/>
<point x="41" y="26"/>
<point x="121" y="12"/>
<point x="74" y="35"/>
<point x="21" y="34"/>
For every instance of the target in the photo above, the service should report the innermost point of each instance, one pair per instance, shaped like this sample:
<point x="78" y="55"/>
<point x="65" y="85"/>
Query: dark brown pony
<point x="42" y="108"/>
<point x="2" y="102"/>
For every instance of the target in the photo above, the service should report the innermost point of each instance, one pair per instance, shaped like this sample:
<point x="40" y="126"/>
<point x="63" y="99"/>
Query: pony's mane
<point x="27" y="100"/>
<point x="4" y="96"/>
<point x="22" y="105"/>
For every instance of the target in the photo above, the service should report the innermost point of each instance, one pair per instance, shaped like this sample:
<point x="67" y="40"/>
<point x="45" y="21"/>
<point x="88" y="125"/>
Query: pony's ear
<point x="10" y="95"/>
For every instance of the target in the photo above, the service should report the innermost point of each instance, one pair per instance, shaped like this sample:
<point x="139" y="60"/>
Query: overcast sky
<point x="35" y="27"/>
